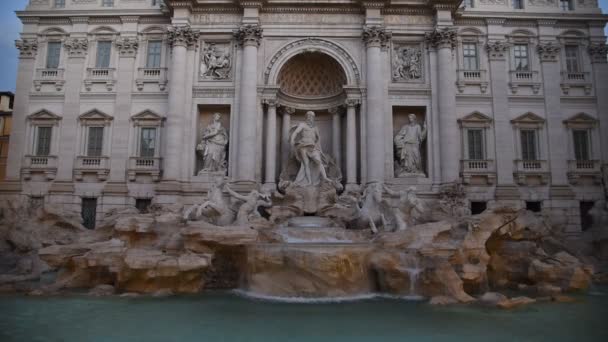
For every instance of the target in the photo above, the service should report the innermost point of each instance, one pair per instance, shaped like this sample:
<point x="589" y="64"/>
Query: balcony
<point x="531" y="172"/>
<point x="151" y="76"/>
<point x="144" y="165"/>
<point x="46" y="165"/>
<point x="520" y="78"/>
<point x="103" y="76"/>
<point x="474" y="171"/>
<point x="52" y="77"/>
<point x="584" y="169"/>
<point x="99" y="166"/>
<point x="577" y="80"/>
<point x="472" y="78"/>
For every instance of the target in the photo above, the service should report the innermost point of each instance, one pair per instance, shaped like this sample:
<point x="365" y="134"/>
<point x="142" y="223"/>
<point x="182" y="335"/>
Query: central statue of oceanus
<point x="308" y="166"/>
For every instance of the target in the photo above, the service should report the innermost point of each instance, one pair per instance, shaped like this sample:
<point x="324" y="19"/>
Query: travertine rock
<point x="515" y="302"/>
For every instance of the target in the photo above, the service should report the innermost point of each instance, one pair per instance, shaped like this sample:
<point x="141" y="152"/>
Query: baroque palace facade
<point x="117" y="100"/>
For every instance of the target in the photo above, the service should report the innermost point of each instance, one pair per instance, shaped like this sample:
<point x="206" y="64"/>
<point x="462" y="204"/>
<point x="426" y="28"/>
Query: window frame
<point x="37" y="145"/>
<point x="42" y="118"/>
<point x="158" y="56"/>
<point x="569" y="3"/>
<point x="520" y="3"/>
<point x="91" y="119"/>
<point x="58" y="3"/>
<point x="108" y="64"/>
<point x="146" y="119"/>
<point x="98" y="150"/>
<point x="47" y="61"/>
<point x="466" y="57"/>
<point x="535" y="149"/>
<point x="516" y="57"/>
<point x="107" y="3"/>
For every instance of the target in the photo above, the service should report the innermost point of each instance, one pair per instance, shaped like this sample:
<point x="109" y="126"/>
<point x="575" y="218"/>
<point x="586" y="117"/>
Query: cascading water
<point x="411" y="266"/>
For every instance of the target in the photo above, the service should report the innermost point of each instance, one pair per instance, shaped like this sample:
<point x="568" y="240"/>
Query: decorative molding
<point x="28" y="48"/>
<point x="548" y="51"/>
<point x="312" y="44"/>
<point x="127" y="47"/>
<point x="598" y="52"/>
<point x="182" y="36"/>
<point x="441" y="38"/>
<point x="77" y="47"/>
<point x="376" y="36"/>
<point x="581" y="120"/>
<point x="96" y="117"/>
<point x="248" y="35"/>
<point x="497" y="50"/>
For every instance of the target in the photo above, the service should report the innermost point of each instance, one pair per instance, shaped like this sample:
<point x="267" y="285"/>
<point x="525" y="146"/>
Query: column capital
<point x="339" y="110"/>
<point x="76" y="47"/>
<point x="597" y="52"/>
<point x="441" y="38"/>
<point x="127" y="47"/>
<point x="376" y="36"/>
<point x="28" y="48"/>
<point x="271" y="102"/>
<point x="287" y="110"/>
<point x="249" y="35"/>
<point x="548" y="51"/>
<point x="182" y="36"/>
<point x="497" y="49"/>
<point x="352" y="102"/>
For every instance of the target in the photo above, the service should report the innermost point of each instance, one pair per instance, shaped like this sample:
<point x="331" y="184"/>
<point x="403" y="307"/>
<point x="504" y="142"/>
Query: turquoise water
<point x="222" y="316"/>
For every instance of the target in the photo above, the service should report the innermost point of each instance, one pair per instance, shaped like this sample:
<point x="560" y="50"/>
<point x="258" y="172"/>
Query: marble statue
<point x="411" y="210"/>
<point x="249" y="208"/>
<point x="215" y="63"/>
<point x="212" y="147"/>
<point x="407" y="147"/>
<point x="372" y="210"/>
<point x="305" y="143"/>
<point x="215" y="209"/>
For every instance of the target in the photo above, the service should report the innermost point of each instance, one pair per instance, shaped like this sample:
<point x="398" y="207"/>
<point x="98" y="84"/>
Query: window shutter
<point x="148" y="142"/>
<point x="154" y="54"/>
<point x="581" y="144"/>
<point x="103" y="54"/>
<point x="475" y="137"/>
<point x="52" y="55"/>
<point x="528" y="145"/>
<point x="43" y="145"/>
<point x="95" y="143"/>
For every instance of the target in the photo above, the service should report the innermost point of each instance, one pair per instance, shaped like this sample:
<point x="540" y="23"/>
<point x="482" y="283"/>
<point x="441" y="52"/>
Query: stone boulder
<point x="515" y="302"/>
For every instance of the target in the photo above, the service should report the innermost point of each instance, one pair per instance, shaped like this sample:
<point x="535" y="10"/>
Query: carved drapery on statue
<point x="407" y="148"/>
<point x="212" y="147"/>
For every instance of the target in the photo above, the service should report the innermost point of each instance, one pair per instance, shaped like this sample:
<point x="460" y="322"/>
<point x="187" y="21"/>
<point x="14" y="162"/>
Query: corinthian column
<point x="180" y="38"/>
<point x="271" y="144"/>
<point x="375" y="37"/>
<point x="444" y="41"/>
<point x="249" y="37"/>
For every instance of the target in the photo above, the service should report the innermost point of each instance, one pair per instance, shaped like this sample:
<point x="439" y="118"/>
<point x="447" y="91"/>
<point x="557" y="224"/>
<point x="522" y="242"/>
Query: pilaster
<point x="597" y="53"/>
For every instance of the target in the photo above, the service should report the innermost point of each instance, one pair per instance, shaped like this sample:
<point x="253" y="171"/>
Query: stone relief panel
<point x="407" y="63"/>
<point x="216" y="61"/>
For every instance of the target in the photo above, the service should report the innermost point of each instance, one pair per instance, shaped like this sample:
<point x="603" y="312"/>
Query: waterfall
<point x="410" y="265"/>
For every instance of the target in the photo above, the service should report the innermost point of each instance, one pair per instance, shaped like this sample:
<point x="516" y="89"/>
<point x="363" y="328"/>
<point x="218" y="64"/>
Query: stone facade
<point x="111" y="102"/>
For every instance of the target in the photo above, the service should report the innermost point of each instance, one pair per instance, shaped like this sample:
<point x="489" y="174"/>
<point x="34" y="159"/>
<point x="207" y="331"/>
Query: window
<point x="565" y="5"/>
<point x="469" y="51"/>
<point x="52" y="55"/>
<point x="143" y="204"/>
<point x="89" y="212"/>
<point x="468" y="3"/>
<point x="475" y="144"/>
<point x="529" y="147"/>
<point x="534" y="206"/>
<point x="581" y="144"/>
<point x="95" y="143"/>
<point x="107" y="3"/>
<point x="104" y="49"/>
<point x="584" y="211"/>
<point x="154" y="52"/>
<point x="517" y="4"/>
<point x="43" y="141"/>
<point x="478" y="207"/>
<point x="147" y="145"/>
<point x="59" y="3"/>
<point x="520" y="54"/>
<point x="572" y="60"/>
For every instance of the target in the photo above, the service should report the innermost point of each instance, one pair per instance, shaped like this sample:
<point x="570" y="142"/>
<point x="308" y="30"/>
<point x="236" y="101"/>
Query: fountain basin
<point x="309" y="222"/>
<point x="309" y="270"/>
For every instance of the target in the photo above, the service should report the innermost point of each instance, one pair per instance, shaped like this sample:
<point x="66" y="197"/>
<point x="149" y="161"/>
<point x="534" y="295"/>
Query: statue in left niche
<point x="212" y="147"/>
<point x="216" y="63"/>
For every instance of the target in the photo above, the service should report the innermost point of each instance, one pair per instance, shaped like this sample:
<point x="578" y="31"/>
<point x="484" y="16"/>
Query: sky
<point x="10" y="27"/>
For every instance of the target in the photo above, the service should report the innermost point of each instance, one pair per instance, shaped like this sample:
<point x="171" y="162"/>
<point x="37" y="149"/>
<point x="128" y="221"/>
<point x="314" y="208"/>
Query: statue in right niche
<point x="407" y="147"/>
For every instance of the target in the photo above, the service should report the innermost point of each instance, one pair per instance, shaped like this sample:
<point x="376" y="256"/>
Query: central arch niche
<point x="313" y="76"/>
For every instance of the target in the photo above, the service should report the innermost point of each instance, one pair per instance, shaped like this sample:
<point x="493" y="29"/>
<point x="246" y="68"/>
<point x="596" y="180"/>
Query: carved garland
<point x="182" y="36"/>
<point x="76" y="47"/>
<point x="598" y="52"/>
<point x="127" y="47"/>
<point x="312" y="42"/>
<point x="548" y="51"/>
<point x="27" y="47"/>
